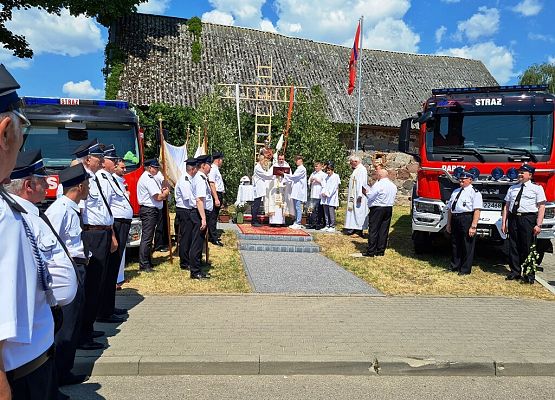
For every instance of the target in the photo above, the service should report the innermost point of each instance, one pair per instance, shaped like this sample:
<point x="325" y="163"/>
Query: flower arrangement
<point x="530" y="264"/>
<point x="241" y="207"/>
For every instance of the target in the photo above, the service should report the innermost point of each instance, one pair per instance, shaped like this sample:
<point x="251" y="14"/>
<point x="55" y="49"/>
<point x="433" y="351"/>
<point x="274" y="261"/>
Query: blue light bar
<point x="34" y="101"/>
<point x="489" y="89"/>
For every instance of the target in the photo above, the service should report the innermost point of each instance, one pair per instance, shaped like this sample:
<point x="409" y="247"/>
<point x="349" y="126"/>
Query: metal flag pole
<point x="359" y="73"/>
<point x="165" y="174"/>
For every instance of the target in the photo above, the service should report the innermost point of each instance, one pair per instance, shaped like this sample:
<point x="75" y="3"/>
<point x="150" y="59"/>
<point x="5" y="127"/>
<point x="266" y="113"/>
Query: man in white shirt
<point x="120" y="169"/>
<point x="381" y="198"/>
<point x="123" y="214"/>
<point x="161" y="238"/>
<point x="26" y="323"/>
<point x="65" y="216"/>
<point x="522" y="220"/>
<point x="185" y="207"/>
<point x="356" y="217"/>
<point x="151" y="196"/>
<point x="316" y="183"/>
<point x="298" y="190"/>
<point x="218" y="189"/>
<point x="330" y="196"/>
<point x="462" y="221"/>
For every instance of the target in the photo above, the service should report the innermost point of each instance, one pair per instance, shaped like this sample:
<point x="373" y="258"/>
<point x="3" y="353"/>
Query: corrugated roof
<point x="159" y="68"/>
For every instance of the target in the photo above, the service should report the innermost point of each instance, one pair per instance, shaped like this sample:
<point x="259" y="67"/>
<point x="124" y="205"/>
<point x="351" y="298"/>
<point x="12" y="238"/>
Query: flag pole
<point x="165" y="174"/>
<point x="359" y="73"/>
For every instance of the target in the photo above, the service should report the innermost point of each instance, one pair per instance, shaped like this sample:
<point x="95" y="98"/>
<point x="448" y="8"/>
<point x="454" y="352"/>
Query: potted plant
<point x="224" y="216"/>
<point x="240" y="212"/>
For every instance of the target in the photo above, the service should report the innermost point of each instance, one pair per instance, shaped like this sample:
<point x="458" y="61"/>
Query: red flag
<point x="353" y="62"/>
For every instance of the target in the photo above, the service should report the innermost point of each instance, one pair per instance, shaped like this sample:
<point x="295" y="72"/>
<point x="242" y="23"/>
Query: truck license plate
<point x="492" y="205"/>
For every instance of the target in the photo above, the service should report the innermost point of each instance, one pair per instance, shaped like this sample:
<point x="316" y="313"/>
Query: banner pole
<point x="359" y="73"/>
<point x="165" y="174"/>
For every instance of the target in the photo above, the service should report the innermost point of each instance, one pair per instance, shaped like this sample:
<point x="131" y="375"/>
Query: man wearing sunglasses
<point x="462" y="221"/>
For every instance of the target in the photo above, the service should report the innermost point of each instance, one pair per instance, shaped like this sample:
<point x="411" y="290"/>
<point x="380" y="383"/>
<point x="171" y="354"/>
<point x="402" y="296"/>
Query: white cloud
<point x="158" y="7"/>
<point x="451" y="1"/>
<point x="439" y="33"/>
<point x="551" y="60"/>
<point x="539" y="36"/>
<point x="268" y="26"/>
<point x="218" y="17"/>
<point x="83" y="89"/>
<point x="9" y="60"/>
<point x="484" y="23"/>
<point x="498" y="59"/>
<point x="528" y="8"/>
<point x="63" y="34"/>
<point x="247" y="13"/>
<point x="391" y="34"/>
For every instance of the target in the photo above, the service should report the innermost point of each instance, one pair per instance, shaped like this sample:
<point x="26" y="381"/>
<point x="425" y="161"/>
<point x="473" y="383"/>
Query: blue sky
<point x="507" y="35"/>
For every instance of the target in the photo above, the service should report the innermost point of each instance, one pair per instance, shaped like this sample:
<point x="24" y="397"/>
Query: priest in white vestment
<point x="356" y="217"/>
<point x="279" y="202"/>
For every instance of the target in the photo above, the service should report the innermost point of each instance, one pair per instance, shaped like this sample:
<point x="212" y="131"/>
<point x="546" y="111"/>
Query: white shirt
<point x="259" y="178"/>
<point x="201" y="189"/>
<point x="148" y="187"/>
<point x="64" y="217"/>
<point x="26" y="322"/>
<point x="64" y="279"/>
<point x="298" y="180"/>
<point x="531" y="196"/>
<point x="331" y="190"/>
<point x="469" y="200"/>
<point x="316" y="182"/>
<point x="215" y="176"/>
<point x="96" y="208"/>
<point x="184" y="196"/>
<point x="121" y="207"/>
<point x="382" y="193"/>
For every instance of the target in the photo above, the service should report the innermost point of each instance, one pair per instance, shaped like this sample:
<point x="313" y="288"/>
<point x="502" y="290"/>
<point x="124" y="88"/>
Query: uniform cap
<point x="91" y="148"/>
<point x="28" y="163"/>
<point x="527" y="168"/>
<point x="193" y="162"/>
<point x="216" y="155"/>
<point x="204" y="159"/>
<point x="110" y="152"/>
<point x="73" y="176"/>
<point x="466" y="174"/>
<point x="153" y="162"/>
<point x="8" y="86"/>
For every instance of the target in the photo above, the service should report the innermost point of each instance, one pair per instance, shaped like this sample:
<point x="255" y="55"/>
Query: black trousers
<point x="255" y="209"/>
<point x="150" y="216"/>
<point x="197" y="242"/>
<point x="108" y="296"/>
<point x="379" y="219"/>
<point x="38" y="385"/>
<point x="213" y="222"/>
<point x="317" y="218"/>
<point x="186" y="225"/>
<point x="521" y="237"/>
<point x="67" y="337"/>
<point x="98" y="243"/>
<point x="462" y="254"/>
<point x="161" y="234"/>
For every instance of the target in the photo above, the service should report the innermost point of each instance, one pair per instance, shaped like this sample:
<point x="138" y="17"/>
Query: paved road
<point x="313" y="387"/>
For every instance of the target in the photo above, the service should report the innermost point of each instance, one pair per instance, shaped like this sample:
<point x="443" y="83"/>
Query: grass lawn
<point x="227" y="272"/>
<point x="402" y="272"/>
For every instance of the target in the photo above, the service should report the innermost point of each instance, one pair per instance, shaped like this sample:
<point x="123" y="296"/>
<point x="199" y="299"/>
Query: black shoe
<point x="91" y="345"/>
<point x="97" y="334"/>
<point x="72" y="379"/>
<point x="256" y="224"/>
<point x="309" y="226"/>
<point x="207" y="275"/>
<point x="368" y="254"/>
<point x="512" y="277"/>
<point x="162" y="249"/>
<point x="112" y="319"/>
<point x="463" y="273"/>
<point x="320" y="227"/>
<point x="528" y="279"/>
<point x="120" y="311"/>
<point x="348" y="231"/>
<point x="146" y="270"/>
<point x="380" y="254"/>
<point x="217" y="243"/>
<point x="360" y="233"/>
<point x="199" y="276"/>
<point x="539" y="269"/>
<point x="185" y="267"/>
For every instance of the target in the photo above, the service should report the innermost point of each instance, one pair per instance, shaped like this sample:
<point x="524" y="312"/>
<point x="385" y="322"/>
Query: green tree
<point x="538" y="74"/>
<point x="105" y="11"/>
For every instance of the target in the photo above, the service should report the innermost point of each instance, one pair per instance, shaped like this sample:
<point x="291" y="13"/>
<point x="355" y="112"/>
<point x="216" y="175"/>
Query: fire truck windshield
<point x="57" y="142"/>
<point x="516" y="133"/>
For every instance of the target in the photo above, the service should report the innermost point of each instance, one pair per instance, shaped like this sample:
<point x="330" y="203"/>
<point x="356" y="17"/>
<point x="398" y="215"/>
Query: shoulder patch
<point x="476" y="190"/>
<point x="103" y="175"/>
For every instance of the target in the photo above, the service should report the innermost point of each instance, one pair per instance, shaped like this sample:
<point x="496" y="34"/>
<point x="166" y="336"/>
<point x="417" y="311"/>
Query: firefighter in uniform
<point x="522" y="219"/>
<point x="98" y="236"/>
<point x="65" y="216"/>
<point x="185" y="205"/>
<point x="123" y="213"/>
<point x="26" y="323"/>
<point x="204" y="205"/>
<point x="217" y="189"/>
<point x="151" y="196"/>
<point x="462" y="221"/>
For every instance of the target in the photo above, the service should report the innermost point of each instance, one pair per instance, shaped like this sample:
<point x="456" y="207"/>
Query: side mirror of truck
<point x="404" y="135"/>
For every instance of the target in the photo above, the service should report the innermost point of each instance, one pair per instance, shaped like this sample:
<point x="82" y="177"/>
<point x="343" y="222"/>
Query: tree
<point x="105" y="11"/>
<point x="538" y="74"/>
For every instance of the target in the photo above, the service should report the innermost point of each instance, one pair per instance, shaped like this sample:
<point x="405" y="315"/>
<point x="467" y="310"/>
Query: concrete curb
<point x="306" y="365"/>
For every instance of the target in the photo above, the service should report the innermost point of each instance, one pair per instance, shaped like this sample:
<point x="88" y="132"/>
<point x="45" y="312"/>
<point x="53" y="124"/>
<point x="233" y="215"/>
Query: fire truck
<point x="489" y="131"/>
<point x="60" y="125"/>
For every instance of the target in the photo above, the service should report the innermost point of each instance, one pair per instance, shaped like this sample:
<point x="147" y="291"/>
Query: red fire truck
<point x="489" y="131"/>
<point x="60" y="125"/>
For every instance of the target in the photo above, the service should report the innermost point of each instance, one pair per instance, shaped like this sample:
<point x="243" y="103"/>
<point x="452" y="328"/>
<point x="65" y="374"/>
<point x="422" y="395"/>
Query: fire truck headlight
<point x="426" y="207"/>
<point x="549" y="213"/>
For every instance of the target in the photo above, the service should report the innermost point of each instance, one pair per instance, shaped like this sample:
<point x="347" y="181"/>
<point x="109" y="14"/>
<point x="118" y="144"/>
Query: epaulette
<point x="476" y="190"/>
<point x="104" y="175"/>
<point x="14" y="205"/>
